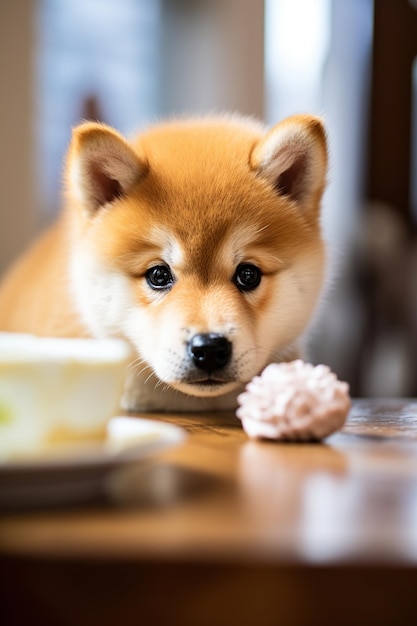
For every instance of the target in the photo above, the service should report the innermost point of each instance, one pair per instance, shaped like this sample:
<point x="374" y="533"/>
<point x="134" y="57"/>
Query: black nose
<point x="210" y="351"/>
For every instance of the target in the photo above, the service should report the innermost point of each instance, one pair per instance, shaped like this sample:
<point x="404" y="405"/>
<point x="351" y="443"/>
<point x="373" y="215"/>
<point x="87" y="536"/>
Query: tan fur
<point x="201" y="196"/>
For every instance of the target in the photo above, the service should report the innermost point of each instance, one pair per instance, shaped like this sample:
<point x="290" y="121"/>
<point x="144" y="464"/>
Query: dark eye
<point x="159" y="277"/>
<point x="247" y="276"/>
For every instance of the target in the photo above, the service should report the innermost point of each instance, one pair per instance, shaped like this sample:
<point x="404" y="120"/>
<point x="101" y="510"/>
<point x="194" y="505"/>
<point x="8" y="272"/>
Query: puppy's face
<point x="199" y="243"/>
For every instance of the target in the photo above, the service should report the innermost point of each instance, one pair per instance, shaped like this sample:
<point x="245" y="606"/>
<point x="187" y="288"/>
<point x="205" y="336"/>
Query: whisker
<point x="276" y="258"/>
<point x="149" y="377"/>
<point x="145" y="367"/>
<point x="135" y="363"/>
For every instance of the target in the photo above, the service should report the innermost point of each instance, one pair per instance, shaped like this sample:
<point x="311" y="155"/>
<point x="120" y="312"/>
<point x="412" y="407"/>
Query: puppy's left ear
<point x="292" y="157"/>
<point x="101" y="166"/>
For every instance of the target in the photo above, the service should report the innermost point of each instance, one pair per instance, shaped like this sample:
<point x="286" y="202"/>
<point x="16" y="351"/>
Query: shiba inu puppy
<point x="198" y="241"/>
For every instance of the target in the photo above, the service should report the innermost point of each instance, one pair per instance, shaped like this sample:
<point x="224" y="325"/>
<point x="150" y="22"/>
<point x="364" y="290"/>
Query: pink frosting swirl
<point x="294" y="401"/>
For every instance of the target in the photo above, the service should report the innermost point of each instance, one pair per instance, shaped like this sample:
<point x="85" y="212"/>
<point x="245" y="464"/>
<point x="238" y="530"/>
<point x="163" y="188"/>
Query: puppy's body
<point x="198" y="242"/>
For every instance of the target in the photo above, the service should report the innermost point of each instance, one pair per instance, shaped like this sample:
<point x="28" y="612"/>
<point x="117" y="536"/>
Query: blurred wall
<point x="212" y="56"/>
<point x="18" y="210"/>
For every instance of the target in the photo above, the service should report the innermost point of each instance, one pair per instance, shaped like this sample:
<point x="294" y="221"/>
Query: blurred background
<point x="131" y="62"/>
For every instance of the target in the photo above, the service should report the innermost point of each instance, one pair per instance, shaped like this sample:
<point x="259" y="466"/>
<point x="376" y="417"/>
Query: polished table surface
<point x="278" y="531"/>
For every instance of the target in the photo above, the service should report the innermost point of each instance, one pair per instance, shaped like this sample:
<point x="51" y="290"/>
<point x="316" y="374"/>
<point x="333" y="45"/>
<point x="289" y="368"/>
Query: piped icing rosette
<point x="294" y="401"/>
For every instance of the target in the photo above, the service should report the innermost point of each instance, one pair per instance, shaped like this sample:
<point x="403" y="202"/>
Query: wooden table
<point x="224" y="530"/>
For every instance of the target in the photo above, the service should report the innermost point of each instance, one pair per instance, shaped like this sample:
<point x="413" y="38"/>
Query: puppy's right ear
<point x="102" y="166"/>
<point x="292" y="158"/>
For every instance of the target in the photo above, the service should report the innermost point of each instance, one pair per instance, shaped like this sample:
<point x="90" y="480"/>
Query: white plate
<point x="75" y="473"/>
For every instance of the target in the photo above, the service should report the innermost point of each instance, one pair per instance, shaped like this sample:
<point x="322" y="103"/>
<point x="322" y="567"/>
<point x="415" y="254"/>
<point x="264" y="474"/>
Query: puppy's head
<point x="199" y="242"/>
